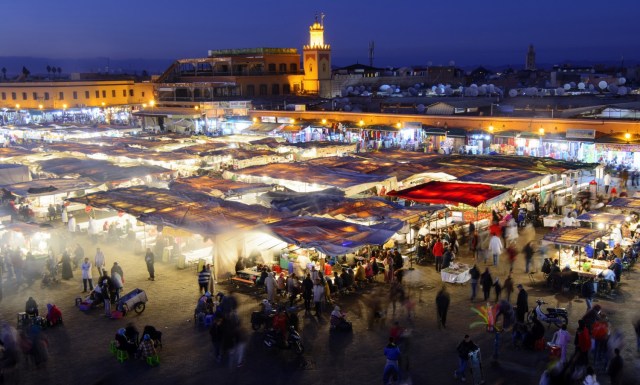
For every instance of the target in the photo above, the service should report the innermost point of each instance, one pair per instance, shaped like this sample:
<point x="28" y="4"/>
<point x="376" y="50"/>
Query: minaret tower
<point x="530" y="63"/>
<point x="317" y="61"/>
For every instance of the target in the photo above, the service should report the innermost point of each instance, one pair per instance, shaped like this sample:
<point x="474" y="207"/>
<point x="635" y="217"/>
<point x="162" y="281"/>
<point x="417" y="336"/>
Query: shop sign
<point x="412" y="125"/>
<point x="579" y="133"/>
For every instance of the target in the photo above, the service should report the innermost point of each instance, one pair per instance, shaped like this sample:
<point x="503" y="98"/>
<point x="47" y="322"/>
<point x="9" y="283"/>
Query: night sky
<point x="469" y="32"/>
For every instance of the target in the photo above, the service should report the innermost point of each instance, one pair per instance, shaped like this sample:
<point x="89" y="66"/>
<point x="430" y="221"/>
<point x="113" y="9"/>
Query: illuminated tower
<point x="530" y="64"/>
<point x="317" y="61"/>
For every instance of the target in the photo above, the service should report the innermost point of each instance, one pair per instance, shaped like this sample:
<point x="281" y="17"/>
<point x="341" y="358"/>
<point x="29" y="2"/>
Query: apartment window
<point x="263" y="90"/>
<point x="35" y="96"/>
<point x="283" y="67"/>
<point x="24" y="96"/>
<point x="61" y="96"/>
<point x="131" y="93"/>
<point x="124" y="93"/>
<point x="286" y="89"/>
<point x="113" y="93"/>
<point x="86" y="95"/>
<point x="275" y="89"/>
<point x="272" y="67"/>
<point x="75" y="95"/>
<point x="97" y="94"/>
<point x="293" y="67"/>
<point x="14" y="96"/>
<point x="104" y="94"/>
<point x="4" y="96"/>
<point x="142" y="94"/>
<point x="251" y="90"/>
<point x="46" y="96"/>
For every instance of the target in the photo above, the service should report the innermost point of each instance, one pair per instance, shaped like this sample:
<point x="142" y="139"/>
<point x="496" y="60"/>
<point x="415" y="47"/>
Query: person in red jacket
<point x="583" y="344"/>
<point x="438" y="251"/>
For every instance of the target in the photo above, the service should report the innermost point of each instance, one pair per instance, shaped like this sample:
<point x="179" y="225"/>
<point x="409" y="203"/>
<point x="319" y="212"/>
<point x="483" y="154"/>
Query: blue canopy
<point x="625" y="203"/>
<point x="602" y="217"/>
<point x="329" y="236"/>
<point x="574" y="236"/>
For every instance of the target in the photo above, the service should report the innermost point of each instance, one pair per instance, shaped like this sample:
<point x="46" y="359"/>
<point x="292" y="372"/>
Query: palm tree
<point x="4" y="73"/>
<point x="25" y="72"/>
<point x="49" y="69"/>
<point x="59" y="71"/>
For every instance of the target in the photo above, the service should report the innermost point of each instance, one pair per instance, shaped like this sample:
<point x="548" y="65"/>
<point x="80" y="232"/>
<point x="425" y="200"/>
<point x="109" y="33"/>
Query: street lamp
<point x="398" y="125"/>
<point x="324" y="121"/>
<point x="361" y="123"/>
<point x="541" y="131"/>
<point x="17" y="106"/>
<point x="490" y="128"/>
<point x="627" y="136"/>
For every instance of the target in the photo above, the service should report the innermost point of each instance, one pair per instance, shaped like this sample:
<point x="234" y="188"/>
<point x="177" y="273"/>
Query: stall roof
<point x="574" y="236"/>
<point x="510" y="178"/>
<point x="217" y="187"/>
<point x="329" y="236"/>
<point x="625" y="203"/>
<point x="12" y="152"/>
<point x="542" y="165"/>
<point x="307" y="173"/>
<point x="98" y="170"/>
<point x="215" y="216"/>
<point x="195" y="213"/>
<point x="41" y="187"/>
<point x="471" y="194"/>
<point x="602" y="217"/>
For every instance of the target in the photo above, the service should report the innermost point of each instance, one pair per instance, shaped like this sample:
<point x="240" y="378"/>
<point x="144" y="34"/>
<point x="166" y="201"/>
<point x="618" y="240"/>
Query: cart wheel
<point x="139" y="307"/>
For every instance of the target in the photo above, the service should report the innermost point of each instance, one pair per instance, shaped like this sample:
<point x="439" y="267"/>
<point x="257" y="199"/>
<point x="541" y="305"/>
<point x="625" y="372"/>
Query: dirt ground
<point x="79" y="350"/>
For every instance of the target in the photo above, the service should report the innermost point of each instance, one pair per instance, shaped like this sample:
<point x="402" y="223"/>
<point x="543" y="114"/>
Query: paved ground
<point x="79" y="350"/>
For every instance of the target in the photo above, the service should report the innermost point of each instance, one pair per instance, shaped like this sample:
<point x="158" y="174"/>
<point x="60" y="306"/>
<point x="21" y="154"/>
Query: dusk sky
<point x="490" y="32"/>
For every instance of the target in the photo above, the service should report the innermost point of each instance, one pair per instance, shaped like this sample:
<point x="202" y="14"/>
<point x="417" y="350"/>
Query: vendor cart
<point x="135" y="300"/>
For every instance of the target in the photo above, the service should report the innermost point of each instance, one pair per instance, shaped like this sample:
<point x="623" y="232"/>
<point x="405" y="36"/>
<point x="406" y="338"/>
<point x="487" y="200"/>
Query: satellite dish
<point x="384" y="87"/>
<point x="448" y="91"/>
<point x="474" y="86"/>
<point x="420" y="108"/>
<point x="581" y="86"/>
<point x="622" y="90"/>
<point x="567" y="86"/>
<point x="347" y="108"/>
<point x="613" y="88"/>
<point x="513" y="93"/>
<point x="560" y="91"/>
<point x="592" y="87"/>
<point x="621" y="81"/>
<point x="602" y="85"/>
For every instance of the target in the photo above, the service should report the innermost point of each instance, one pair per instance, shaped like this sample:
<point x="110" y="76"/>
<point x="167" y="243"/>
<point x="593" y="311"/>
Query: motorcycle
<point x="273" y="338"/>
<point x="556" y="316"/>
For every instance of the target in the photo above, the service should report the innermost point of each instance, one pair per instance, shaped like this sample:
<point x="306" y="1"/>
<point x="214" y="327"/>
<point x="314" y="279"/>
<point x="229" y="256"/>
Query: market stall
<point x="573" y="239"/>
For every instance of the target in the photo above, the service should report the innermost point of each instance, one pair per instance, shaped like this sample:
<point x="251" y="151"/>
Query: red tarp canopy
<point x="471" y="194"/>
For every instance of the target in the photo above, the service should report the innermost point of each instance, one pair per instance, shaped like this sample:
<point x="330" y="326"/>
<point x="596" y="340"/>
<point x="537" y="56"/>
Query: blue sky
<point x="489" y="32"/>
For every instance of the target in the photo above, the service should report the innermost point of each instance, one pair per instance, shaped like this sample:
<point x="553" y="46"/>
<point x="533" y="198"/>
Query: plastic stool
<point x="122" y="355"/>
<point x="208" y="320"/>
<point x="153" y="360"/>
<point x="112" y="347"/>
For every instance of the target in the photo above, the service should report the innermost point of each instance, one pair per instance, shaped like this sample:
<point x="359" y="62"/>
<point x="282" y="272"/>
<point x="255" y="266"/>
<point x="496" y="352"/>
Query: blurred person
<point x="149" y="259"/>
<point x="562" y="338"/>
<point x="391" y="367"/>
<point x="99" y="261"/>
<point x="86" y="275"/>
<point x="508" y="287"/>
<point x="616" y="366"/>
<point x="146" y="348"/>
<point x="486" y="282"/>
<point x="475" y="276"/>
<point x="465" y="347"/>
<point x="203" y="279"/>
<point x="442" y="306"/>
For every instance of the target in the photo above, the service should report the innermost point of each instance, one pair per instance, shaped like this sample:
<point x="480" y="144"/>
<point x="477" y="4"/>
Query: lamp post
<point x="541" y="132"/>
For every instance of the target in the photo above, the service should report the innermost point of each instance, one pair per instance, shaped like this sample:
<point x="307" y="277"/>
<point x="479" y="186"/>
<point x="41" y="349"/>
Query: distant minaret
<point x="530" y="64"/>
<point x="317" y="61"/>
<point x="371" y="46"/>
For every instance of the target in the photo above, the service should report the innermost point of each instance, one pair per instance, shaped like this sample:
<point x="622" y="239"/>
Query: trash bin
<point x="181" y="262"/>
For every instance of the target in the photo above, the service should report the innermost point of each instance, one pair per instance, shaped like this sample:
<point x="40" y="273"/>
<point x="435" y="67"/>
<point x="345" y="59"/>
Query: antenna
<point x="322" y="18"/>
<point x="371" y="48"/>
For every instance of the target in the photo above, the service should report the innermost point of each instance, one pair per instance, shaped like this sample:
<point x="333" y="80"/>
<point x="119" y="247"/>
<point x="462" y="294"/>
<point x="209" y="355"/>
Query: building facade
<point x="55" y="95"/>
<point x="247" y="73"/>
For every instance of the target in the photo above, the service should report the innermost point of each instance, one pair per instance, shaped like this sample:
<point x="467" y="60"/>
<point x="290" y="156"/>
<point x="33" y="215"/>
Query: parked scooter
<point x="273" y="338"/>
<point x="263" y="317"/>
<point x="556" y="316"/>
